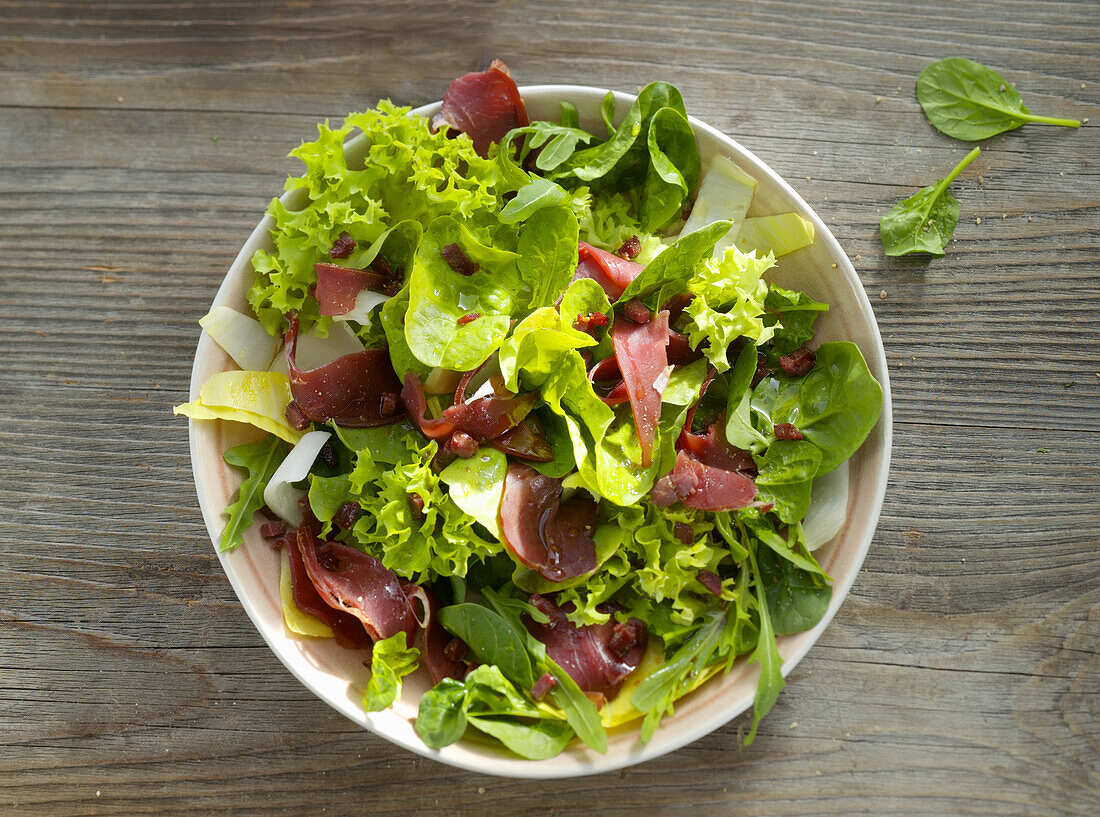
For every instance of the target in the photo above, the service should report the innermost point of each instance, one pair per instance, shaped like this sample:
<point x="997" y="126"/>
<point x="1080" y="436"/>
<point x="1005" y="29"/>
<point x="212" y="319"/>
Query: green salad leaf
<point x="970" y="101"/>
<point x="925" y="221"/>
<point x="391" y="660"/>
<point x="260" y="460"/>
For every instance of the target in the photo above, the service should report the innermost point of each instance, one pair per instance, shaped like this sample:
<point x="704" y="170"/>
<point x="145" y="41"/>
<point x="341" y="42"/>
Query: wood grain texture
<point x="141" y="142"/>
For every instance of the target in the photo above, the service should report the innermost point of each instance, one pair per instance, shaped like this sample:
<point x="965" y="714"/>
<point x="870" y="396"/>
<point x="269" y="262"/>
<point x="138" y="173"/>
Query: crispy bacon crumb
<point x="469" y="317"/>
<point x="799" y="362"/>
<point x="457" y="260"/>
<point x="346" y="517"/>
<point x="272" y="530"/>
<point x="343" y="246"/>
<point x="710" y="581"/>
<point x="786" y="431"/>
<point x="630" y="248"/>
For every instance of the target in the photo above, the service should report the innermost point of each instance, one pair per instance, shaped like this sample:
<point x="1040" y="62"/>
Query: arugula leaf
<point x="391" y="661"/>
<point x="539" y="740"/>
<point x="786" y="475"/>
<point x="579" y="710"/>
<point x="970" y="101"/>
<point x="835" y="406"/>
<point x="766" y="654"/>
<point x="260" y="460"/>
<point x="491" y="639"/>
<point x="797" y="598"/>
<point x="441" y="718"/>
<point x="925" y="221"/>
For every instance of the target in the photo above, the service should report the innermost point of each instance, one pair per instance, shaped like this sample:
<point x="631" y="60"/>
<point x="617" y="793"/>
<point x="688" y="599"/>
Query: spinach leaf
<point x="673" y="171"/>
<point x="539" y="740"/>
<point x="797" y="599"/>
<point x="390" y="661"/>
<point x="675" y="266"/>
<point x="491" y="639"/>
<point x="490" y="693"/>
<point x="766" y="654"/>
<point x="739" y="429"/>
<point x="835" y="406"/>
<point x="786" y="475"/>
<point x="970" y="101"/>
<point x="925" y="221"/>
<point x="793" y="315"/>
<point x="441" y="719"/>
<point x="260" y="459"/>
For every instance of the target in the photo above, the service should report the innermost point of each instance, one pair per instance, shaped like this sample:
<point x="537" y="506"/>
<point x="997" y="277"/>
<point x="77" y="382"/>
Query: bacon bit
<point x="457" y="260"/>
<point x="710" y="581"/>
<point x="684" y="532"/>
<point x="469" y="317"/>
<point x="636" y="311"/>
<point x="272" y="530"/>
<point x="416" y="502"/>
<point x="543" y="685"/>
<point x="799" y="362"/>
<point x="462" y="444"/>
<point x="786" y="431"/>
<point x="346" y="517"/>
<point x="547" y="608"/>
<point x="630" y="248"/>
<point x="590" y="322"/>
<point x="391" y="288"/>
<point x="327" y="455"/>
<point x="456" y="650"/>
<point x="295" y="417"/>
<point x="625" y="636"/>
<point x="387" y="406"/>
<point x="382" y="267"/>
<point x="343" y="246"/>
<point x="762" y="369"/>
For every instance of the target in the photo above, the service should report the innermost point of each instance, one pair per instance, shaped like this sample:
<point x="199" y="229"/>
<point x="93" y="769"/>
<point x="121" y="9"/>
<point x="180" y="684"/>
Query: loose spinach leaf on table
<point x="970" y="101"/>
<point x="924" y="222"/>
<point x="260" y="459"/>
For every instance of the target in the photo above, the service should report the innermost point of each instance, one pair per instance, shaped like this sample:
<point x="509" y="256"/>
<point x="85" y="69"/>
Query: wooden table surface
<point x="139" y="145"/>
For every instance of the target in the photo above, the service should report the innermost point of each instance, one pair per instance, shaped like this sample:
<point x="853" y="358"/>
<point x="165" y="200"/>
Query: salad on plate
<point x="537" y="424"/>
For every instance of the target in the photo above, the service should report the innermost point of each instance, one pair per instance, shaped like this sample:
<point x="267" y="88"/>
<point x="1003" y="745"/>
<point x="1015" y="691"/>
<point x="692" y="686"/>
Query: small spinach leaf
<point x="491" y="638"/>
<point x="793" y="314"/>
<point x="441" y="719"/>
<point x="797" y="599"/>
<point x="786" y="475"/>
<point x="390" y="661"/>
<point x="924" y="222"/>
<point x="970" y="101"/>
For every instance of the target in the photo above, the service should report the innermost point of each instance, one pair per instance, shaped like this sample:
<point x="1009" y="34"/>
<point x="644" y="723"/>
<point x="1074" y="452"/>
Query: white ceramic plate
<point x="338" y="677"/>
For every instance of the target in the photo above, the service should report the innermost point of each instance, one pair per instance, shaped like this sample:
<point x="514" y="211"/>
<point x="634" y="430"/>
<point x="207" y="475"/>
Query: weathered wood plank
<point x="961" y="676"/>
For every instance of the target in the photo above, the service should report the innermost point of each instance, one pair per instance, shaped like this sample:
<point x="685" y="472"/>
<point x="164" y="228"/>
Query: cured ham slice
<point x="412" y="395"/>
<point x="439" y="653"/>
<point x="608" y="270"/>
<point x="488" y="417"/>
<point x="338" y="287"/>
<point x="356" y="583"/>
<point x="597" y="656"/>
<point x="703" y="487"/>
<point x="356" y="390"/>
<point x="525" y="441"/>
<point x="545" y="534"/>
<point x="484" y="105"/>
<point x="349" y="630"/>
<point x="641" y="351"/>
<point x="713" y="449"/>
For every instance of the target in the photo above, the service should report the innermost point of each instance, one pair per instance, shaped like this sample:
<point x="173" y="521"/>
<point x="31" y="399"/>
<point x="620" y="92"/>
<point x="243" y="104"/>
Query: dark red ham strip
<point x="544" y="533"/>
<point x="608" y="270"/>
<point x="349" y="630"/>
<point x="703" y="487"/>
<point x="679" y="348"/>
<point x="489" y="417"/>
<point x="436" y="656"/>
<point x="412" y="395"/>
<point x="525" y="441"/>
<point x="641" y="351"/>
<point x="338" y="287"/>
<point x="356" y="390"/>
<point x="597" y="656"/>
<point x="484" y="105"/>
<point x="712" y="449"/>
<point x="355" y="582"/>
